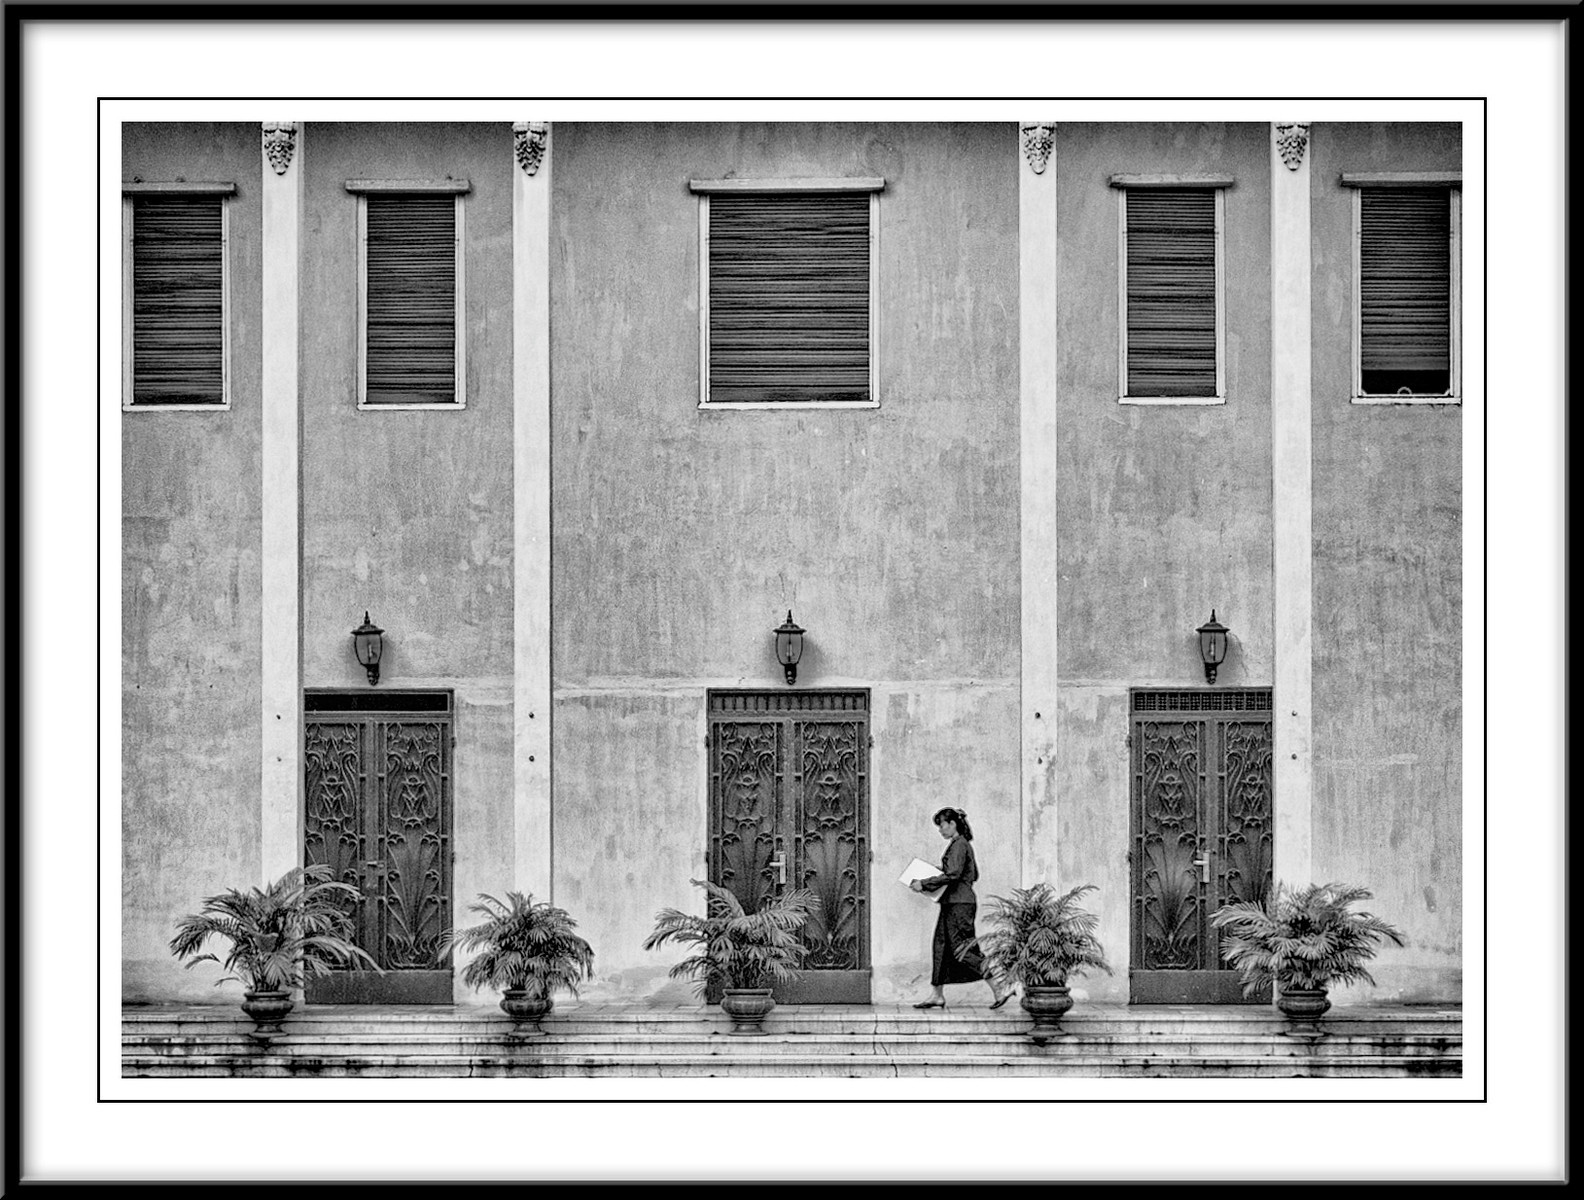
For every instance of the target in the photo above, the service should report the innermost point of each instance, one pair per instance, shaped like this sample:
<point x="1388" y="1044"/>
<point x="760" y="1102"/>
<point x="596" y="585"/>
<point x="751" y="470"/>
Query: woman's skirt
<point x="954" y="928"/>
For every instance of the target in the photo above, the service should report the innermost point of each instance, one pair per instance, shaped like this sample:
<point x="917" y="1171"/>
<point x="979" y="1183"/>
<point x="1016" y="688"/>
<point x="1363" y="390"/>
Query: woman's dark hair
<point x="960" y="818"/>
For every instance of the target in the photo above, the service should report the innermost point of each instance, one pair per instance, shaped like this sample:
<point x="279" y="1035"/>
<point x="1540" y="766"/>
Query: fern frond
<point x="1302" y="937"/>
<point x="520" y="944"/>
<point x="1037" y="937"/>
<point x="738" y="948"/>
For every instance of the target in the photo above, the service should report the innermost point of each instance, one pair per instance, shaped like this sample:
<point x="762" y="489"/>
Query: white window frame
<point x="458" y="188"/>
<point x="1453" y="182"/>
<point x="225" y="191"/>
<point x="1219" y="184"/>
<point x="704" y="188"/>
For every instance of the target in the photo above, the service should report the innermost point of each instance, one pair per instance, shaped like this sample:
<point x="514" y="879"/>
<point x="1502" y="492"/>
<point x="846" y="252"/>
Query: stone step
<point x="789" y="1065"/>
<point x="499" y="1032"/>
<point x="1128" y="1045"/>
<point x="473" y="1023"/>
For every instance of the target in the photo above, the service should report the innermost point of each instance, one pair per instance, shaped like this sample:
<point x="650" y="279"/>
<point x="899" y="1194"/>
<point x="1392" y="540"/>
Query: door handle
<point x="1204" y="868"/>
<point x="779" y="863"/>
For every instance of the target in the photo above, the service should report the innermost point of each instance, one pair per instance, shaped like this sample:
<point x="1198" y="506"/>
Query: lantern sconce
<point x="789" y="647"/>
<point x="1212" y="645"/>
<point x="368" y="643"/>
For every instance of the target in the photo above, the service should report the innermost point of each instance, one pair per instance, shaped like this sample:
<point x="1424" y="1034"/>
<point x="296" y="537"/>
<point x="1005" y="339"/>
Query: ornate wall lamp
<point x="1212" y="645"/>
<point x="789" y="647"/>
<point x="368" y="643"/>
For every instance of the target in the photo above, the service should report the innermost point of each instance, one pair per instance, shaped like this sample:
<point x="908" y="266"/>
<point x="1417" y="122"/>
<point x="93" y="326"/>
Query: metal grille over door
<point x="378" y="812"/>
<point x="1203" y="835"/>
<point x="789" y="807"/>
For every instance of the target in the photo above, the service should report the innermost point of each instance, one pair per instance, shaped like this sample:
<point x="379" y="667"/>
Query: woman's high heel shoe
<point x="1007" y="995"/>
<point x="930" y="1004"/>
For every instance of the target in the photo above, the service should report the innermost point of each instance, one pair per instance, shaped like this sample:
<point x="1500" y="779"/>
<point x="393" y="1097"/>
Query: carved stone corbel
<point x="1292" y="139"/>
<point x="280" y="141"/>
<point x="530" y="139"/>
<point x="1038" y="137"/>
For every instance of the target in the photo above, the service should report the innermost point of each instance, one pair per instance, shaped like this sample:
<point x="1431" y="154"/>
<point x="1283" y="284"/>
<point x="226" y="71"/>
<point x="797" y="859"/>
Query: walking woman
<point x="955" y="925"/>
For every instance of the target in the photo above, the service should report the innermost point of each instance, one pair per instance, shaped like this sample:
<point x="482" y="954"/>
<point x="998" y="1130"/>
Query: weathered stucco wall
<point x="938" y="745"/>
<point x="682" y="537"/>
<point x="1165" y="509"/>
<point x="1163" y="512"/>
<point x="1091" y="761"/>
<point x="1388" y="607"/>
<point x="408" y="515"/>
<point x="190" y="604"/>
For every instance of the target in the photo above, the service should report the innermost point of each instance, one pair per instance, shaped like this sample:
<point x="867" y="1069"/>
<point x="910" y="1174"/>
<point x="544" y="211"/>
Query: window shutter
<point x="788" y="298"/>
<point x="1405" y="290"/>
<point x="1171" y="292"/>
<point x="178" y="300"/>
<point x="410" y="258"/>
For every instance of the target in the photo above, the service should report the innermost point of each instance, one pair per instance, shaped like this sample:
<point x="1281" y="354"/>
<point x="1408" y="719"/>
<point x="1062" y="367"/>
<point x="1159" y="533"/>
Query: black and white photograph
<point x="656" y="531"/>
<point x="633" y="600"/>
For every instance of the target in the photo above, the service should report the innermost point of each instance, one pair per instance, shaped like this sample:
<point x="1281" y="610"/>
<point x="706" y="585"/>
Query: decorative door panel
<point x="1247" y="842"/>
<point x="1202" y="836"/>
<point x="745" y="802"/>
<point x="414" y="828"/>
<point x="335" y="759"/>
<point x="789" y="807"/>
<point x="1171" y="925"/>
<point x="827" y="839"/>
<point x="378" y="800"/>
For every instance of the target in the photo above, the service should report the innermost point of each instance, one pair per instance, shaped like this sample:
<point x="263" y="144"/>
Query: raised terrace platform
<point x="593" y="1039"/>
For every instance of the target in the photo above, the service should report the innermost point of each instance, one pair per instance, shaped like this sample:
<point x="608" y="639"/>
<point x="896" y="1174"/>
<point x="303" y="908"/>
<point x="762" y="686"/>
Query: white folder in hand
<point x="919" y="869"/>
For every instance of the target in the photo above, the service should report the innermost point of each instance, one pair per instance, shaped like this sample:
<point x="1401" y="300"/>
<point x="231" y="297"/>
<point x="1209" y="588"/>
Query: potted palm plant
<point x="300" y="923"/>
<point x="741" y="954"/>
<point x="1039" y="940"/>
<point x="528" y="951"/>
<point x="1302" y="940"/>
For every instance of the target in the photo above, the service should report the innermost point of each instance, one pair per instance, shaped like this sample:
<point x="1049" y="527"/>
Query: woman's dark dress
<point x="955" y="925"/>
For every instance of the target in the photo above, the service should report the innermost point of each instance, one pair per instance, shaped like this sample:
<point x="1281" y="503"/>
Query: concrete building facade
<point x="1001" y="554"/>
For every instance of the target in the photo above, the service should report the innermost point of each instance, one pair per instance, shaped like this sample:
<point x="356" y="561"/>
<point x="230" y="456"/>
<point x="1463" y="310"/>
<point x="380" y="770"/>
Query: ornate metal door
<point x="378" y="812"/>
<point x="1203" y="835"/>
<point x="789" y="807"/>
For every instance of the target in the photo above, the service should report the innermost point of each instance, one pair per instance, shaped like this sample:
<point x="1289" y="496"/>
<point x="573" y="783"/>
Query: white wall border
<point x="280" y="564"/>
<point x="1037" y="403"/>
<point x="1291" y="516"/>
<point x="532" y="821"/>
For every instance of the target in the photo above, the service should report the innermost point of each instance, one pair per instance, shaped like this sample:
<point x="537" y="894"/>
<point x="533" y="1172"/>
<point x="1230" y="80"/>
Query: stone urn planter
<point x="1047" y="1005"/>
<point x="528" y="949"/>
<point x="525" y="1009"/>
<point x="741" y="955"/>
<point x="1303" y="1008"/>
<point x="747" y="1007"/>
<point x="268" y="1009"/>
<point x="1300" y="941"/>
<point x="278" y="934"/>
<point x="1041" y="939"/>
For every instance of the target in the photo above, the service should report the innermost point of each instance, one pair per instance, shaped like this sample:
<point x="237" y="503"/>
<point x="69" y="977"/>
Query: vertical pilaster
<point x="281" y="188"/>
<point x="1037" y="398"/>
<point x="1292" y="482"/>
<point x="531" y="498"/>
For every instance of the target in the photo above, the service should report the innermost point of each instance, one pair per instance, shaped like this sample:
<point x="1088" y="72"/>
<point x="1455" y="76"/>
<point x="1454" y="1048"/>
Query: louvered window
<point x="1406" y="315"/>
<point x="174" y="296"/>
<point x="411" y="354"/>
<point x="788" y="295"/>
<point x="1171" y="294"/>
